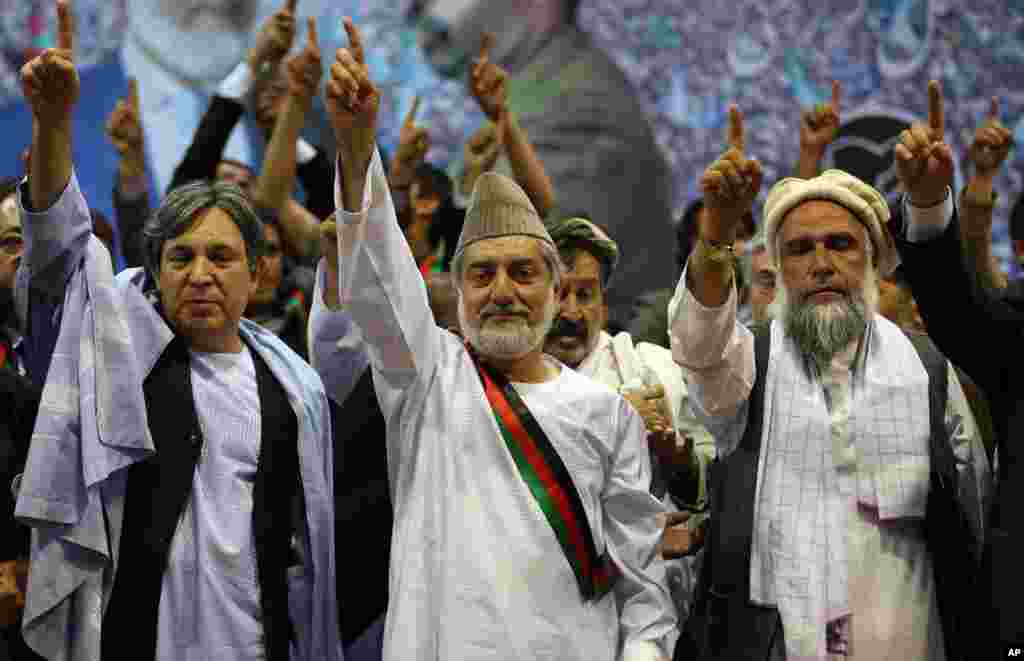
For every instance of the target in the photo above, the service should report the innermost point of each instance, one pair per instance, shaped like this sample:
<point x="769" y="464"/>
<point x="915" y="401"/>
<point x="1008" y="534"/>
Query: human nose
<point x="200" y="273"/>
<point x="502" y="292"/>
<point x="821" y="262"/>
<point x="570" y="307"/>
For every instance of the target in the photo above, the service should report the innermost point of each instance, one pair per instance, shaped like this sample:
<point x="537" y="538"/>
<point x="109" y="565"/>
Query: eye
<point x="481" y="276"/>
<point x="839" y="243"/>
<point x="179" y="257"/>
<point x="585" y="295"/>
<point x="799" y="247"/>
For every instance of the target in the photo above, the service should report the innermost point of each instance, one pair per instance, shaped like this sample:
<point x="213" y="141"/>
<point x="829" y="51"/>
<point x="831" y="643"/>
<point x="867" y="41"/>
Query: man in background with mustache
<point x="645" y="374"/>
<point x="847" y="497"/>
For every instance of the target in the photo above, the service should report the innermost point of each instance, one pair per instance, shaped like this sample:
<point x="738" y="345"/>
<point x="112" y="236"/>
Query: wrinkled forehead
<point x="817" y="219"/>
<point x="10" y="217"/>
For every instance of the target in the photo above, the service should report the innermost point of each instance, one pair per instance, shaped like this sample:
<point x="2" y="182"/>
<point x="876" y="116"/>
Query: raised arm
<point x="277" y="176"/>
<point x="336" y="349"/>
<point x="929" y="244"/>
<point x="131" y="190"/>
<point x="228" y="104"/>
<point x="379" y="283"/>
<point x="818" y="128"/>
<point x="992" y="142"/>
<point x="706" y="338"/>
<point x="55" y="216"/>
<point x="487" y="84"/>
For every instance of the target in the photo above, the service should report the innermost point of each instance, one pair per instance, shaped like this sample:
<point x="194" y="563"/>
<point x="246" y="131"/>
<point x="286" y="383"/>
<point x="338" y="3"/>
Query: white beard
<point x="823" y="330"/>
<point x="507" y="340"/>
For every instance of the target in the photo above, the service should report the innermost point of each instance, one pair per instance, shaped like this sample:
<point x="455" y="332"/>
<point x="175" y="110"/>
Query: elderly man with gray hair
<point x="179" y="480"/>
<point x="524" y="528"/>
<point x="847" y="497"/>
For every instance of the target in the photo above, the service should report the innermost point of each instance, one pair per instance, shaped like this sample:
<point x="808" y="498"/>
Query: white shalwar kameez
<point x="889" y="611"/>
<point x="476" y="569"/>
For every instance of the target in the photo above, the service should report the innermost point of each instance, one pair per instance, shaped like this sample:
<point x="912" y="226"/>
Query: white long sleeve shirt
<point x="476" y="570"/>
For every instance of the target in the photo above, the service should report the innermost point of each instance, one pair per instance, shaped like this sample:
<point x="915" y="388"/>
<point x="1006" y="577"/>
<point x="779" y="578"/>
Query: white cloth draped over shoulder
<point x="92" y="425"/>
<point x="476" y="570"/>
<point x="842" y="478"/>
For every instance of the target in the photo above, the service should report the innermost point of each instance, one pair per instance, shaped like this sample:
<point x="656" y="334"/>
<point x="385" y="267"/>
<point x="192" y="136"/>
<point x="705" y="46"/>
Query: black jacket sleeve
<point x="203" y="155"/>
<point x="317" y="177"/>
<point x="949" y="300"/>
<point x="131" y="215"/>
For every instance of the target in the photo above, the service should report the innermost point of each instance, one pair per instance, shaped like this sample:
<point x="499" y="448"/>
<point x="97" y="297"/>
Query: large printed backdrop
<point x="688" y="60"/>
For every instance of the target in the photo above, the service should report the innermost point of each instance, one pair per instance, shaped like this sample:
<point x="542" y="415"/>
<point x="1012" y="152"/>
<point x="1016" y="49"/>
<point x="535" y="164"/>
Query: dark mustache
<point x="566" y="328"/>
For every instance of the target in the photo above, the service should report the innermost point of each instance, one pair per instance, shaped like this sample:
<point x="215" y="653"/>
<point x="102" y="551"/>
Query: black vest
<point x="725" y="624"/>
<point x="159" y="488"/>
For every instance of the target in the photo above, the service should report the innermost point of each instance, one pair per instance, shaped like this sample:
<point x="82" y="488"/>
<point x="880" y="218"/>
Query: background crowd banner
<point x="687" y="59"/>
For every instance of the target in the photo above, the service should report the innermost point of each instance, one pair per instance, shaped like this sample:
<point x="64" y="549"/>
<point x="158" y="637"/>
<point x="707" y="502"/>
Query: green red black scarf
<point x="549" y="482"/>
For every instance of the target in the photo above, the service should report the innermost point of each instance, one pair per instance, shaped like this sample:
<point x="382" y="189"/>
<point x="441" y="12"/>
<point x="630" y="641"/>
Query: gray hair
<point x="548" y="251"/>
<point x="183" y="205"/>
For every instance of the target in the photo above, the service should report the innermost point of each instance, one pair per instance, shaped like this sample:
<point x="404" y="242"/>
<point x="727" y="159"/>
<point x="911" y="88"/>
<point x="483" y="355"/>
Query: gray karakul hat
<point x="499" y="207"/>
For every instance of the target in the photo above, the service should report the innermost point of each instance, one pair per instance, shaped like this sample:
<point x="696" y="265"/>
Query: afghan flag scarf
<point x="548" y="480"/>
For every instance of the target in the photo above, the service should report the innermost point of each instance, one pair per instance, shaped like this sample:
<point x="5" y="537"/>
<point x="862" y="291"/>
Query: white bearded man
<point x="847" y="500"/>
<point x="520" y="488"/>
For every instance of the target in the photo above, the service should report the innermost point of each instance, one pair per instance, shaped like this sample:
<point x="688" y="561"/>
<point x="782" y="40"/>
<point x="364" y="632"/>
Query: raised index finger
<point x="133" y="94"/>
<point x="837" y="91"/>
<point x="65" y="26"/>
<point x="486" y="44"/>
<point x="993" y="111"/>
<point x="734" y="135"/>
<point x="936" y="118"/>
<point x="311" y="37"/>
<point x="355" y="40"/>
<point x="410" y="118"/>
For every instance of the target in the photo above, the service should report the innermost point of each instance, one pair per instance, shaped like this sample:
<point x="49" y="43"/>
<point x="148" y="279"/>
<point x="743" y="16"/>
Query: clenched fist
<point x="352" y="99"/>
<point x="924" y="161"/>
<point x="413" y="145"/>
<point x="992" y="143"/>
<point x="275" y="38"/>
<point x="50" y="81"/>
<point x="730" y="185"/>
<point x="820" y="125"/>
<point x="487" y="82"/>
<point x="480" y="153"/>
<point x="305" y="70"/>
<point x="124" y="129"/>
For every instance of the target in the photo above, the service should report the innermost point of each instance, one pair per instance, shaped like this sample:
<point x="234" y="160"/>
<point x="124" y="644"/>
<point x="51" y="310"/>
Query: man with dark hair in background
<point x="589" y="130"/>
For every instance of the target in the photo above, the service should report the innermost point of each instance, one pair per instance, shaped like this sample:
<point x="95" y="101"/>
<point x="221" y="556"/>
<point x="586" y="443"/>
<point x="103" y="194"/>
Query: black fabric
<point x="276" y="490"/>
<point x="159" y="488"/>
<point x="131" y="216"/>
<point x="317" y="177"/>
<point x="20" y="399"/>
<point x="208" y="142"/>
<point x="727" y="625"/>
<point x="362" y="508"/>
<point x="990" y="353"/>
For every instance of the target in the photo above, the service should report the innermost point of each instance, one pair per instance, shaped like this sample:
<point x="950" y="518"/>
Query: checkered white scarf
<point x="868" y="445"/>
